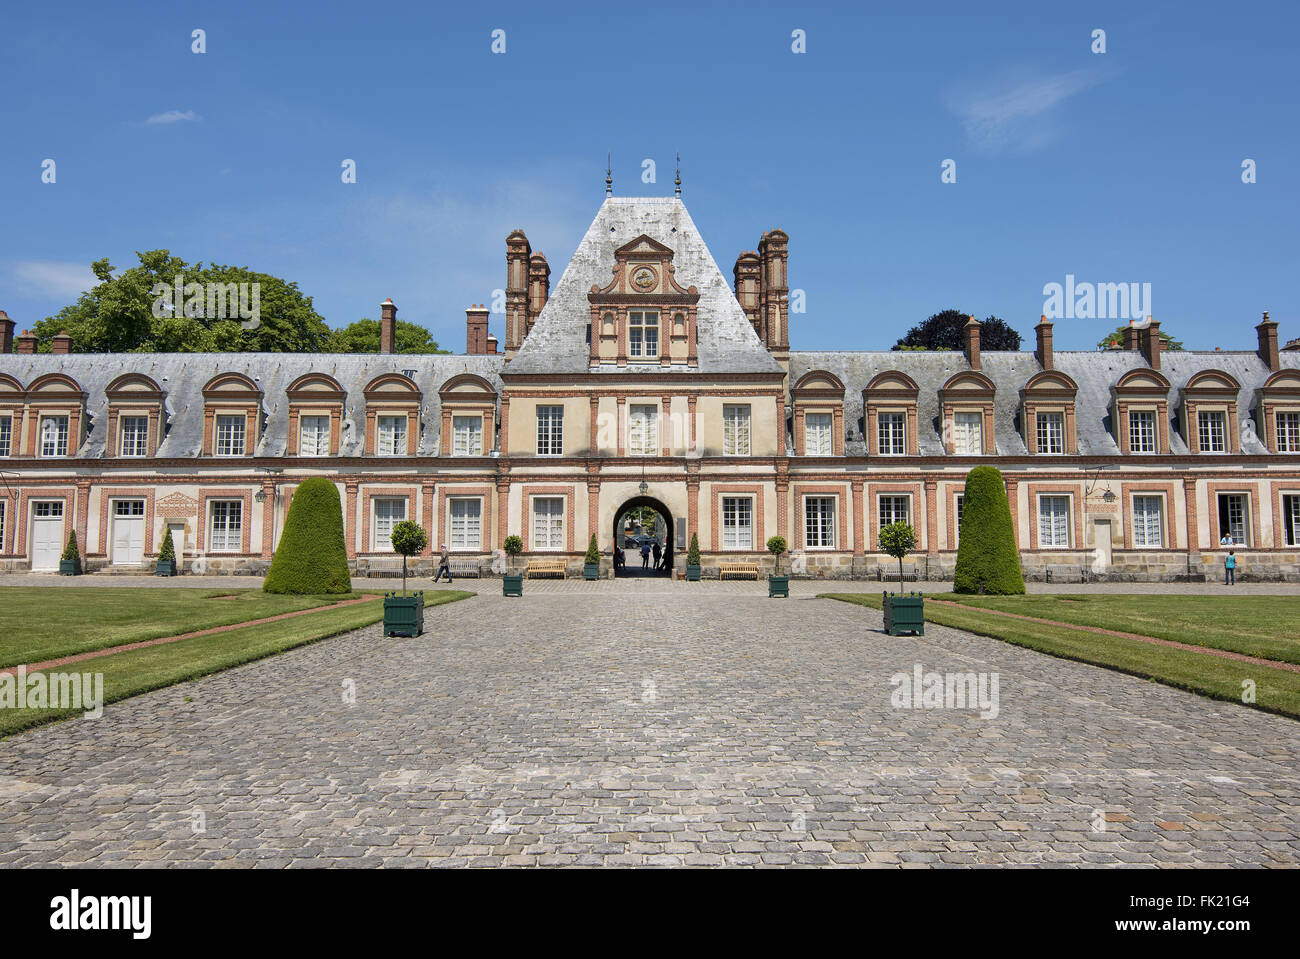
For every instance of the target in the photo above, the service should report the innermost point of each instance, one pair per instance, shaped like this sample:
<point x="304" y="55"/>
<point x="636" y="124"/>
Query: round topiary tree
<point x="409" y="539"/>
<point x="514" y="545"/>
<point x="311" y="558"/>
<point x="693" y="551"/>
<point x="593" y="552"/>
<point x="776" y="545"/>
<point x="898" y="539"/>
<point x="987" y="561"/>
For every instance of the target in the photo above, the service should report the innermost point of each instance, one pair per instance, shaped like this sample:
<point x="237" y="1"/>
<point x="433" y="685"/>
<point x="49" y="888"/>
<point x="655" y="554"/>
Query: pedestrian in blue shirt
<point x="1230" y="569"/>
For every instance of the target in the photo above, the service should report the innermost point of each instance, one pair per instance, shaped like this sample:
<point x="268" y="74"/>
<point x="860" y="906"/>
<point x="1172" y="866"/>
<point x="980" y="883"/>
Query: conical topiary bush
<point x="987" y="561"/>
<point x="311" y="558"/>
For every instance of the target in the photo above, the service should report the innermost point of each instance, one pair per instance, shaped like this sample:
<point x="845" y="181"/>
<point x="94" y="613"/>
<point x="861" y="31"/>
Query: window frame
<point x="1214" y="416"/>
<point x="141" y="436"/>
<point x="638" y="340"/>
<point x="232" y="420"/>
<point x="463" y="547"/>
<point x="824" y="431"/>
<point x="62" y="438"/>
<point x="6" y="435"/>
<point x="226" y="532"/>
<point x="1050" y="540"/>
<point x="1286" y="427"/>
<point x="1159" y="500"/>
<point x="731" y="506"/>
<point x="967" y="418"/>
<point x="555" y="524"/>
<point x="552" y="435"/>
<point x="891" y="416"/>
<point x="1242" y="500"/>
<point x="1045" y="435"/>
<point x="1291" y="519"/>
<point x="400" y="426"/>
<point x="892" y="497"/>
<point x="465" y="429"/>
<point x="826" y="526"/>
<point x="730" y="413"/>
<point x="1137" y="421"/>
<point x="385" y="545"/>
<point x="649" y="433"/>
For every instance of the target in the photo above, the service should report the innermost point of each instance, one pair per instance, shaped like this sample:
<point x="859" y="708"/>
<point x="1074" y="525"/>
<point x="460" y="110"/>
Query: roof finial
<point x="677" y="180"/>
<point x="609" y="177"/>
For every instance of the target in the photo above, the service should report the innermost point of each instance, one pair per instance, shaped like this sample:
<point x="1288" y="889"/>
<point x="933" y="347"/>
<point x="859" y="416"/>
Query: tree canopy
<point x="945" y="331"/>
<point x="363" y="337"/>
<point x="1116" y="339"/>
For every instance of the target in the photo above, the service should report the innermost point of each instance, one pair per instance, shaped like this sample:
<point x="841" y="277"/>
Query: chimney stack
<point x="1131" y="335"/>
<point x="1044" y="351"/>
<point x="518" y="255"/>
<point x="1268" y="351"/>
<point x="973" y="343"/>
<point x="747" y="273"/>
<point x="6" y="333"/>
<point x="476" y="330"/>
<point x="387" y="327"/>
<point x="539" y="287"/>
<point x="1151" y="343"/>
<point x="25" y="343"/>
<point x="773" y="291"/>
<point x="492" y="345"/>
<point x="61" y="343"/>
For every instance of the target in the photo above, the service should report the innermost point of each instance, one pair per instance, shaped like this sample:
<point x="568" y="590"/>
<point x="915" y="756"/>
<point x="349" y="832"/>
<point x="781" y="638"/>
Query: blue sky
<point x="1115" y="167"/>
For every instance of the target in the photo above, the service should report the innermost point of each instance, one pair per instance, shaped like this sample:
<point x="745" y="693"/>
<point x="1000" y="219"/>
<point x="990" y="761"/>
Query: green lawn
<point x="45" y="622"/>
<point x="1276" y="690"/>
<point x="140" y="670"/>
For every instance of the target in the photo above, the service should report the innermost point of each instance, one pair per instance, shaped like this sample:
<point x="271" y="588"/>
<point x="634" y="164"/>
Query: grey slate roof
<point x="725" y="339"/>
<point x="1094" y="371"/>
<point x="182" y="377"/>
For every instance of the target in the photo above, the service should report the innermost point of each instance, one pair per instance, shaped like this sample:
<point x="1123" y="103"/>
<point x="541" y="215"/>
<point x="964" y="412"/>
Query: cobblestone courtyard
<point x="652" y="723"/>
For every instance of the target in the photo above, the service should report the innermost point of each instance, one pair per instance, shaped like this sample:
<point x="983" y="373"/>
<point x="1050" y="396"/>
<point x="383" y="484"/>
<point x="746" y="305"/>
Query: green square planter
<point x="692" y="573"/>
<point x="904" y="613"/>
<point x="404" y="615"/>
<point x="69" y="567"/>
<point x="165" y="567"/>
<point x="778" y="586"/>
<point x="591" y="571"/>
<point x="512" y="584"/>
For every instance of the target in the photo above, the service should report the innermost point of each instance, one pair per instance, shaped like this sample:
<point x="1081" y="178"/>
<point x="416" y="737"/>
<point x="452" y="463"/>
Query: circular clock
<point x="643" y="278"/>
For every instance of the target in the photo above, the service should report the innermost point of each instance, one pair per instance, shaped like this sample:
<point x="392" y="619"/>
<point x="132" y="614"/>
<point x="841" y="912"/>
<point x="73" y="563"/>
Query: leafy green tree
<point x="987" y="561"/>
<point x="693" y="551"/>
<point x="897" y="540"/>
<point x="945" y="331"/>
<point x="593" y="552"/>
<point x="311" y="558"/>
<point x="363" y="337"/>
<point x="117" y="314"/>
<point x="167" y="553"/>
<point x="408" y="539"/>
<point x="1114" y="340"/>
<point x="776" y="545"/>
<point x="513" y="545"/>
<point x="70" y="551"/>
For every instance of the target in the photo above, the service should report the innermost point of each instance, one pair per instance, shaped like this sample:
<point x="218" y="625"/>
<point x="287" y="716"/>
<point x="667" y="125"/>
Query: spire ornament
<point x="677" y="180"/>
<point x="609" y="177"/>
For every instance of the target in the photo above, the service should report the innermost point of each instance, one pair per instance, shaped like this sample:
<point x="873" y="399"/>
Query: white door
<point x="128" y="532"/>
<point x="178" y="542"/>
<point x="1101" y="539"/>
<point x="47" y="534"/>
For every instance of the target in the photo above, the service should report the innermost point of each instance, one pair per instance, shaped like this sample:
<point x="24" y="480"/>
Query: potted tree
<point x="166" y="556"/>
<point x="70" y="561"/>
<point x="777" y="585"/>
<point x="693" y="559"/>
<point x="903" y="614"/>
<point x="512" y="583"/>
<point x="404" y="615"/>
<point x="591" y="563"/>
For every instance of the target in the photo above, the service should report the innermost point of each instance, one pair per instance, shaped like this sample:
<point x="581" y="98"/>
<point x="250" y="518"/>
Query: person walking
<point x="658" y="553"/>
<point x="444" y="564"/>
<point x="645" y="555"/>
<point x="1230" y="569"/>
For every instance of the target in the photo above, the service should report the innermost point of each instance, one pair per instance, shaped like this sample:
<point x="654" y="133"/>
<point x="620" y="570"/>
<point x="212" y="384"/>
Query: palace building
<point x="645" y="378"/>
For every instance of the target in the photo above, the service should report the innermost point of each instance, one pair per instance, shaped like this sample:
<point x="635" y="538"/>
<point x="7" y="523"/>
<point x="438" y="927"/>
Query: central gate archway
<point x="631" y="566"/>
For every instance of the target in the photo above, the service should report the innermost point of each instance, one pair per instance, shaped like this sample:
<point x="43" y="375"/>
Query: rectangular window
<point x="894" y="509"/>
<point x="1232" y="517"/>
<point x="230" y="435"/>
<point x="643" y="333"/>
<point x="466" y="523"/>
<point x="2" y="526"/>
<point x="128" y="507"/>
<point x="314" y="436"/>
<point x="467" y="436"/>
<point x="960" y="502"/>
<point x="737" y="522"/>
<point x="643" y="429"/>
<point x="890" y="434"/>
<point x="1288" y="432"/>
<point x="548" y="522"/>
<point x="968" y="434"/>
<point x="1142" y="431"/>
<point x="819" y="522"/>
<point x="48" y="509"/>
<point x="54" y="436"/>
<point x="391" y="439"/>
<point x="1051" y="432"/>
<point x="1054" y="522"/>
<point x="225" y="531"/>
<point x="388" y="512"/>
<point x="1210" y="430"/>
<point x="6" y="434"/>
<point x="550" y="430"/>
<point x="1290" y="520"/>
<point x="817" y="434"/>
<point x="1148" y="522"/>
<point x="735" y="430"/>
<point x="135" y="436"/>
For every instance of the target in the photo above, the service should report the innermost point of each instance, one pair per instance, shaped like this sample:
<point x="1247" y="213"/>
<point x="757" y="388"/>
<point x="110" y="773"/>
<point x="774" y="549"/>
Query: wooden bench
<point x="467" y="568"/>
<point x="548" y="567"/>
<point x="737" y="571"/>
<point x="385" y="566"/>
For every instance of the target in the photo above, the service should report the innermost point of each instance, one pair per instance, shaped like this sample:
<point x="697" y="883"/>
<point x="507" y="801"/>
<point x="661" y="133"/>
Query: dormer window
<point x="1211" y="433"/>
<point x="135" y="435"/>
<point x="54" y="436"/>
<point x="643" y="333"/>
<point x="230" y="435"/>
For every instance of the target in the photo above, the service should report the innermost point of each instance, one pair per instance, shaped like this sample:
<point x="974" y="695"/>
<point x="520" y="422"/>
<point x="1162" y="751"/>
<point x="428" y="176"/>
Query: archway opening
<point x="641" y="524"/>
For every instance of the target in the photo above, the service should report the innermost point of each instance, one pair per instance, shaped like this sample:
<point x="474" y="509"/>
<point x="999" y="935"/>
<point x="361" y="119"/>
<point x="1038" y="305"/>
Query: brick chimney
<point x="539" y="288"/>
<point x="1044" y="350"/>
<point x="476" y="330"/>
<point x="1151" y="343"/>
<point x="518" y="255"/>
<point x="773" y="291"/>
<point x="25" y="343"/>
<point x="1268" y="351"/>
<point x="1130" y="341"/>
<point x="746" y="274"/>
<point x="387" y="327"/>
<point x="61" y="343"/>
<point x="6" y="333"/>
<point x="492" y="345"/>
<point x="972" y="332"/>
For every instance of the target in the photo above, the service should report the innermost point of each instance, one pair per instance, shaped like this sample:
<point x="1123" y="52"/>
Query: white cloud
<point x="173" y="116"/>
<point x="1020" y="115"/>
<point x="63" y="281"/>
